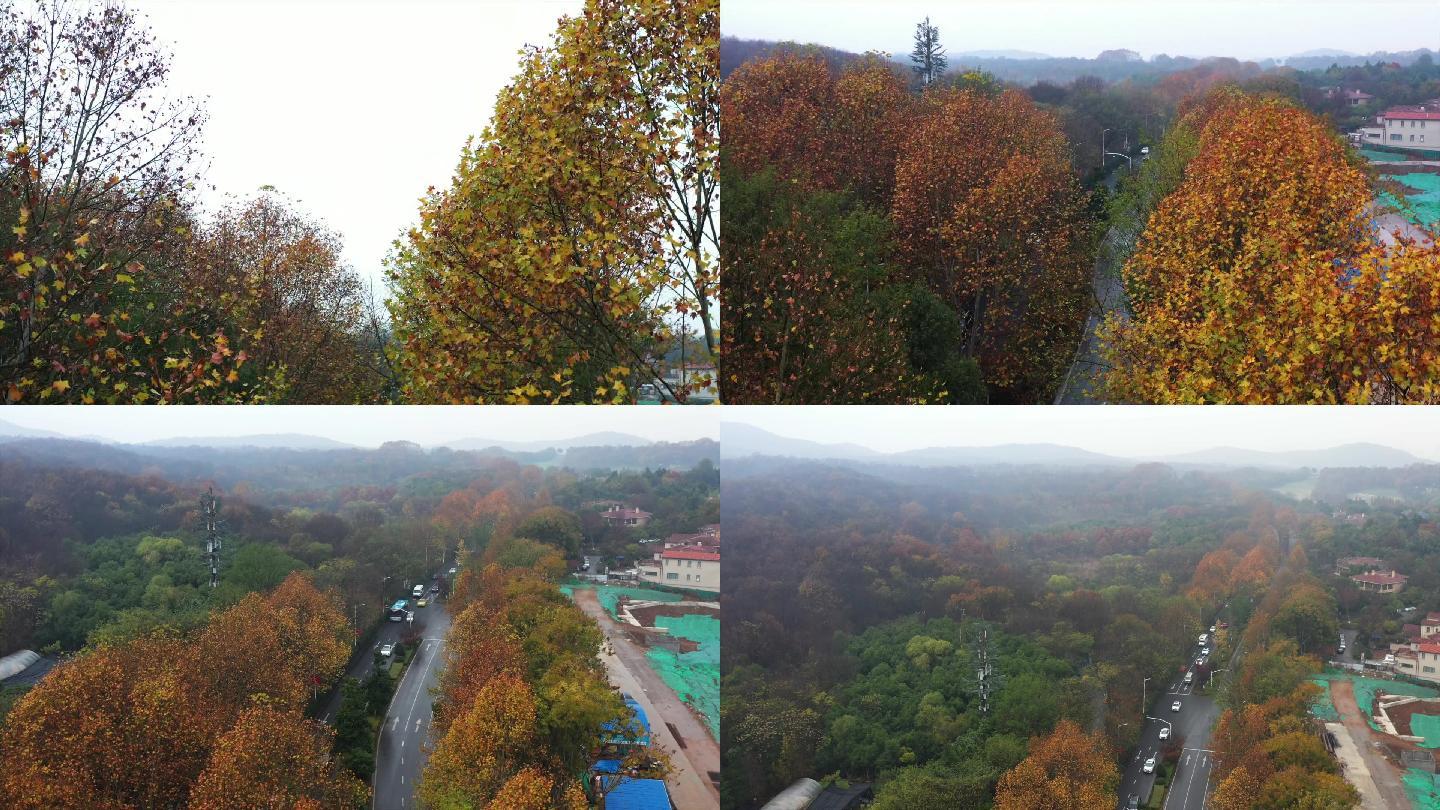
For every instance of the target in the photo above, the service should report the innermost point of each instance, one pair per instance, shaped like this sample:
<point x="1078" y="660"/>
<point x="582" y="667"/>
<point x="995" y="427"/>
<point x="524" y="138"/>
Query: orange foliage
<point x="77" y="739"/>
<point x="1259" y="281"/>
<point x="1067" y="770"/>
<point x="276" y="759"/>
<point x="987" y="213"/>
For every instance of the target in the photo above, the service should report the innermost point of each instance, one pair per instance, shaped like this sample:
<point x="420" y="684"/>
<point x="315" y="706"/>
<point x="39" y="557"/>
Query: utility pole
<point x="209" y="511"/>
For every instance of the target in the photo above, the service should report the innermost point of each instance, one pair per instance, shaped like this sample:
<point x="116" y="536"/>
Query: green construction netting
<point x="609" y="595"/>
<point x="1381" y="157"/>
<point x="1324" y="706"/>
<point x="1421" y="790"/>
<point x="695" y="676"/>
<point x="1424" y="199"/>
<point x="1427" y="726"/>
<point x="1365" y="689"/>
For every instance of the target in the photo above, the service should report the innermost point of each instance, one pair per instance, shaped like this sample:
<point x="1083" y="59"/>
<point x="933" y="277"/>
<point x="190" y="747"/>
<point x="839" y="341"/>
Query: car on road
<point x="1165" y="733"/>
<point x="386" y="650"/>
<point x="1189" y="677"/>
<point x="453" y="570"/>
<point x="1204" y="651"/>
<point x="1132" y="803"/>
<point x="1149" y="765"/>
<point x="1204" y="637"/>
<point x="1212" y="628"/>
<point x="422" y="603"/>
<point x="1175" y="707"/>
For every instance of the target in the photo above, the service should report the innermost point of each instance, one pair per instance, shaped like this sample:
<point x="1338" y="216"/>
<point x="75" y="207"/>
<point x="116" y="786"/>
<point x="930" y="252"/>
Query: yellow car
<point x="422" y="603"/>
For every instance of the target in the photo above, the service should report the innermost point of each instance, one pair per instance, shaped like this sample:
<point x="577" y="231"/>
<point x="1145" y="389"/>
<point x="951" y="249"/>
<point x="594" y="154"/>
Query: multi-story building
<point x="1414" y="127"/>
<point x="692" y="567"/>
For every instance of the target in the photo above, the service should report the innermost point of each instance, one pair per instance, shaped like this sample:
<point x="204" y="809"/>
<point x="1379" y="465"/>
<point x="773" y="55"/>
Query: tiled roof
<point x="690" y="554"/>
<point x="1380" y="579"/>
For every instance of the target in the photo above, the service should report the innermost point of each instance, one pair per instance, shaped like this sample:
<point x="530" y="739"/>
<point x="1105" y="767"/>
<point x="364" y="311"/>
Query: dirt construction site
<point x="1383" y="733"/>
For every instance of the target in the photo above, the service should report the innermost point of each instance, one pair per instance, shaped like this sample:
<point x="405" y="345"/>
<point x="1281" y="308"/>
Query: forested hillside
<point x="860" y="603"/>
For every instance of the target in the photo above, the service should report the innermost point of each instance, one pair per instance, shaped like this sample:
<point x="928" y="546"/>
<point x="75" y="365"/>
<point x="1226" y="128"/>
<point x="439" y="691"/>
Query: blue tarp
<point x="639" y="727"/>
<point x="606" y="766"/>
<point x="638" y="794"/>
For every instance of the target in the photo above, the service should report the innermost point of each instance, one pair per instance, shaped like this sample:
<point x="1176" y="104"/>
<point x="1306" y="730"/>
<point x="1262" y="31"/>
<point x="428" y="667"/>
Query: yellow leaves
<point x="17" y="257"/>
<point x="60" y="386"/>
<point x="24" y="270"/>
<point x="82" y="240"/>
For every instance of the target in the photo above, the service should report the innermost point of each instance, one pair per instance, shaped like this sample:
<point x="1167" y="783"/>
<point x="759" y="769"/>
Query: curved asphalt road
<point x="405" y="742"/>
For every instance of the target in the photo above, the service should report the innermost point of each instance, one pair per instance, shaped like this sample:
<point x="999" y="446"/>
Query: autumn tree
<point x="1259" y="279"/>
<point x="553" y="525"/>
<point x="484" y="747"/>
<point x="1066" y="770"/>
<point x="579" y="223"/>
<point x="276" y="759"/>
<point x="96" y="164"/>
<point x="1003" y="240"/>
<point x="801" y="331"/>
<point x="301" y="305"/>
<point x="115" y="728"/>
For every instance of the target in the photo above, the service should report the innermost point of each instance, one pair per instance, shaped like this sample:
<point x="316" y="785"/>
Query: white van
<point x="418" y="591"/>
<point x="1189" y="677"/>
<point x="1204" y="637"/>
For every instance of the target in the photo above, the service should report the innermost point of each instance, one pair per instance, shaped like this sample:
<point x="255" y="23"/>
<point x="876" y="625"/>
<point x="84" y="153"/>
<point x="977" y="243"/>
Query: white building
<point x="1415" y="127"/>
<point x="692" y="567"/>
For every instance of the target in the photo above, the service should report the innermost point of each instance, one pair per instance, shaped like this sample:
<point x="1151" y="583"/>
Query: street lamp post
<point x="1102" y="146"/>
<point x="1144" y="704"/>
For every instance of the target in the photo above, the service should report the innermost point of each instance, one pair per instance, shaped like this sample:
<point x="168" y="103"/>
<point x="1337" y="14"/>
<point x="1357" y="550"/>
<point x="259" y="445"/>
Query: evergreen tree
<point x="928" y="56"/>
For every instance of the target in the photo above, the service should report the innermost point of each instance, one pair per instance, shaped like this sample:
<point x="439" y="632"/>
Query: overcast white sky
<point x="1137" y="431"/>
<point x="370" y="425"/>
<point x="353" y="107"/>
<point x="1246" y="29"/>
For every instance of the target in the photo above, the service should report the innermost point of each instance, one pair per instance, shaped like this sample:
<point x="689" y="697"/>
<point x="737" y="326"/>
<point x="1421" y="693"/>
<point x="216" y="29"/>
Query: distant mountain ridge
<point x="738" y="440"/>
<point x="269" y="441"/>
<point x="608" y="438"/>
<point x="1029" y="67"/>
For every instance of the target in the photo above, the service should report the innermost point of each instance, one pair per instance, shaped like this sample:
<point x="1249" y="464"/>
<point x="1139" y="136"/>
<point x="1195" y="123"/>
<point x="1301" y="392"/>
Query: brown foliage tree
<point x="1066" y="770"/>
<point x="276" y="759"/>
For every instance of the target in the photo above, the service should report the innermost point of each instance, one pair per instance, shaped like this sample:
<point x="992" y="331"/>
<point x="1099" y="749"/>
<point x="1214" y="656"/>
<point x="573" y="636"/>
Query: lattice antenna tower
<point x="210" y="514"/>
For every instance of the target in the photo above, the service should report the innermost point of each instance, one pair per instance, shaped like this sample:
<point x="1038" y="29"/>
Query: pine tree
<point x="928" y="56"/>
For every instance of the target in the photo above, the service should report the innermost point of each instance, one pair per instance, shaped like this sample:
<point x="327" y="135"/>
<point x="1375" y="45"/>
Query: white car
<point x="1149" y="765"/>
<point x="1144" y="150"/>
<point x="1175" y="707"/>
<point x="453" y="570"/>
<point x="1204" y="651"/>
<point x="387" y="649"/>
<point x="1165" y="733"/>
<point x="1199" y="662"/>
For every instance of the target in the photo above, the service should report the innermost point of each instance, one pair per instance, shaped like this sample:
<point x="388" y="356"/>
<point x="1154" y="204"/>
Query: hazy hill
<point x="1345" y="455"/>
<point x="740" y="440"/>
<point x="1029" y="67"/>
<point x="293" y="441"/>
<point x="601" y="439"/>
